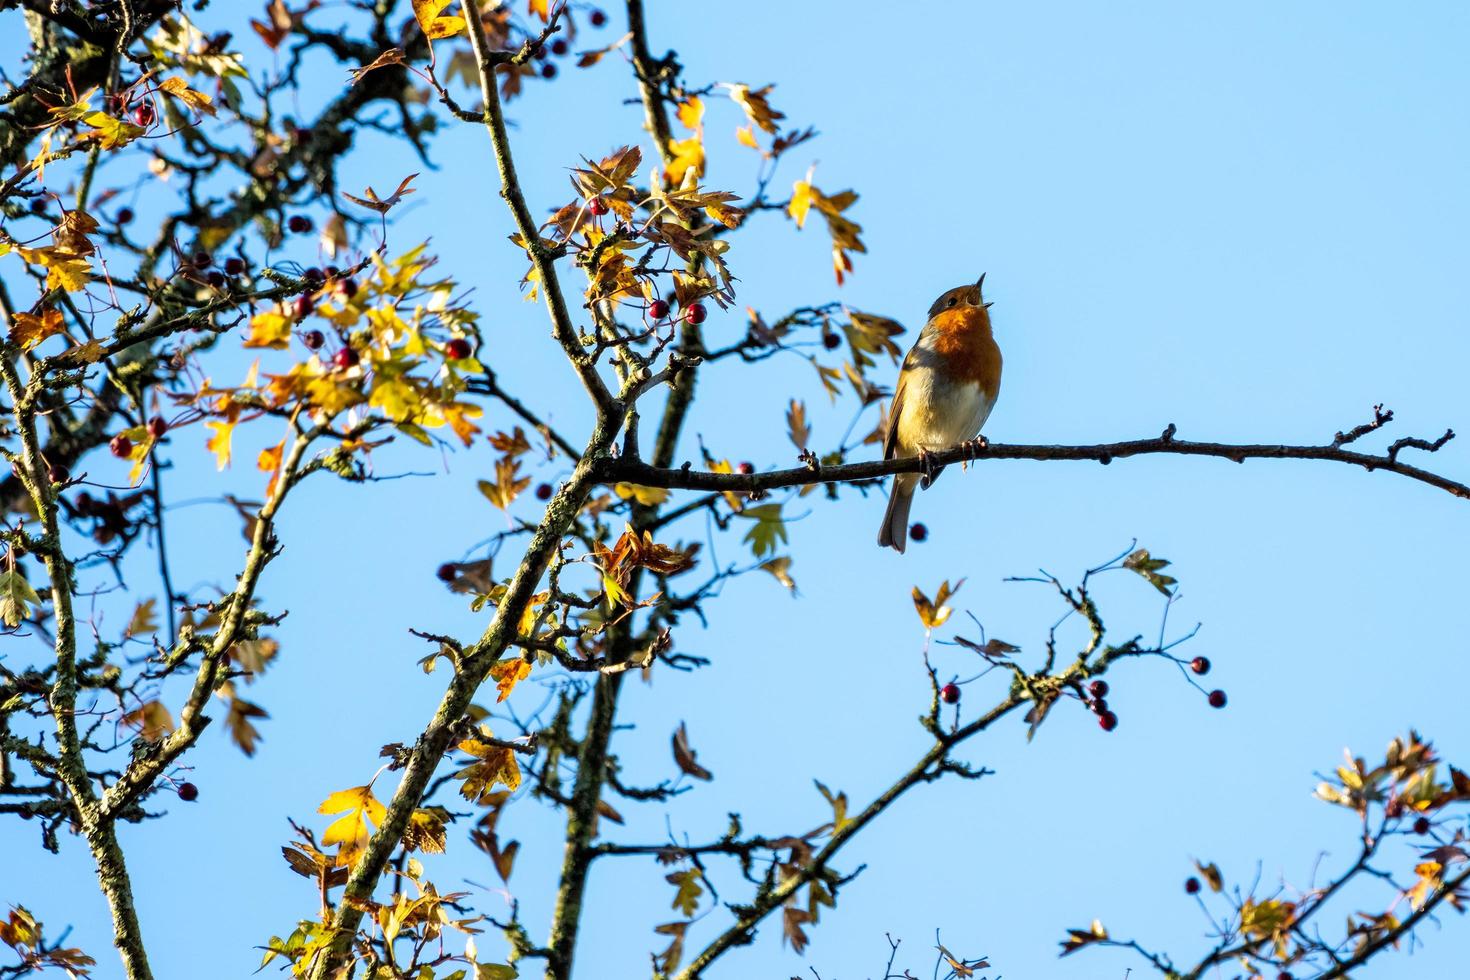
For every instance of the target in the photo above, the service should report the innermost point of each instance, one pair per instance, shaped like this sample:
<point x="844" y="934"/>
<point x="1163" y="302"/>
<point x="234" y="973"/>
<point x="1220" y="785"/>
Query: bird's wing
<point x="890" y="438"/>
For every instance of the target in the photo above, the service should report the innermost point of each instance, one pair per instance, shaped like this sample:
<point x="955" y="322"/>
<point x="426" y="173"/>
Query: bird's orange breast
<point x="966" y="348"/>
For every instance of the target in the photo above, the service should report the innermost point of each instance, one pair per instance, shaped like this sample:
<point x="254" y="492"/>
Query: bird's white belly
<point x="938" y="414"/>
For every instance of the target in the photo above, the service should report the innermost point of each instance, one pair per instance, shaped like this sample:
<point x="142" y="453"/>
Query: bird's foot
<point x="929" y="467"/>
<point x="973" y="448"/>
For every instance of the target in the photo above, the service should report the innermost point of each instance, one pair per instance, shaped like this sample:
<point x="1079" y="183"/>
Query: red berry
<point x="157" y="427"/>
<point x="548" y="70"/>
<point x="1098" y="689"/>
<point x="121" y="446"/>
<point x="303" y="305"/>
<point x="313" y="339"/>
<point x="215" y="278"/>
<point x="333" y="272"/>
<point x="347" y="288"/>
<point x="457" y="349"/>
<point x="124" y="215"/>
<point x="203" y="260"/>
<point x="345" y="358"/>
<point x="1200" y="665"/>
<point x="314" y="275"/>
<point x="1285" y="975"/>
<point x="446" y="572"/>
<point x="598" y="18"/>
<point x="543" y="491"/>
<point x="144" y="114"/>
<point x="746" y="468"/>
<point x="559" y="47"/>
<point x="658" y="309"/>
<point x="188" y="792"/>
<point x="298" y="224"/>
<point x="597" y="205"/>
<point x="1099" y="706"/>
<point x="949" y="694"/>
<point x="234" y="266"/>
<point x="1107" y="721"/>
<point x="1191" y="886"/>
<point x="695" y="313"/>
<point x="919" y="532"/>
<point x="1217" y="699"/>
<point x="58" y="473"/>
<point x="1421" y="826"/>
<point x="831" y="341"/>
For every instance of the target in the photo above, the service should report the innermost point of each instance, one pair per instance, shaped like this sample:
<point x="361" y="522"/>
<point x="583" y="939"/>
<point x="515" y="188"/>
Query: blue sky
<point x="1247" y="221"/>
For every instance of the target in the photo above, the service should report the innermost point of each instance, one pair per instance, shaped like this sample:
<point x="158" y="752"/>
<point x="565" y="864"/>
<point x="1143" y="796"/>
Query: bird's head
<point x="960" y="297"/>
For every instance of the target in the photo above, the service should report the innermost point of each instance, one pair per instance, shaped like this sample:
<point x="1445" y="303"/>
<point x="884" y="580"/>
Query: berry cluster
<point x="1097" y="693"/>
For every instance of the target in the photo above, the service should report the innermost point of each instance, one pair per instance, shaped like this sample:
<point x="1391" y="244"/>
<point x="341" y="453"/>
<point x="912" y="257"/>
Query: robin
<point x="946" y="389"/>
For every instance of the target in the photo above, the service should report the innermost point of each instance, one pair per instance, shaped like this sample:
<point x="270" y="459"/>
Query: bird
<point x="946" y="388"/>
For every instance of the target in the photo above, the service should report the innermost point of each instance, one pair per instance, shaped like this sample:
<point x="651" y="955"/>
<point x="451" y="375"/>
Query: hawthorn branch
<point x="474" y="667"/>
<point x="542" y="260"/>
<point x="687" y="478"/>
<point x="145" y="770"/>
<point x="71" y="768"/>
<point x="1391" y="937"/>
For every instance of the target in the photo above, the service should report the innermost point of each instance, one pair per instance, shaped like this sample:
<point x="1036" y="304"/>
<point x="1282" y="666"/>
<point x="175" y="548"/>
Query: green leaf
<point x="16" y="598"/>
<point x="686" y="899"/>
<point x="1148" y="566"/>
<point x="769" y="529"/>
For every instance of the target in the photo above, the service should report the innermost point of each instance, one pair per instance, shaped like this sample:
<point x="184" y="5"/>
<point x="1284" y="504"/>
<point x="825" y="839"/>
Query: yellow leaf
<point x="691" y="112"/>
<point x="435" y="26"/>
<point x="396" y="397"/>
<point x="507" y="674"/>
<point x="496" y="764"/>
<point x="801" y="202"/>
<point x="507" y="486"/>
<point x="688" y="158"/>
<point x="425" y="832"/>
<point x="269" y="329"/>
<point x="28" y="331"/>
<point x="746" y="136"/>
<point x="351" y="830"/>
<point x="109" y="132"/>
<point x="647" y="496"/>
<point x="180" y="90"/>
<point x="219" y="443"/>
<point x="933" y="614"/>
<point x="71" y="275"/>
<point x="269" y="461"/>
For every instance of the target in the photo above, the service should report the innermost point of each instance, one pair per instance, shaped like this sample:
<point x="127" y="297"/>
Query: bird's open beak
<point x="980" y="283"/>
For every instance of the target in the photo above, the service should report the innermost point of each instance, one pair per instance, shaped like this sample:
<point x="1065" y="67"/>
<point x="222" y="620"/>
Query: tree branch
<point x="687" y="478"/>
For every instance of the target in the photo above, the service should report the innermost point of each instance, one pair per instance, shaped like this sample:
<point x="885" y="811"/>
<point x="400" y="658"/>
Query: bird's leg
<point x="973" y="447"/>
<point x="930" y="468"/>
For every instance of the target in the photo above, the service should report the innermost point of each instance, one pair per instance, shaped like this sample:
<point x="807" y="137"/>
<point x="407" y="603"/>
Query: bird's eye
<point x="952" y="301"/>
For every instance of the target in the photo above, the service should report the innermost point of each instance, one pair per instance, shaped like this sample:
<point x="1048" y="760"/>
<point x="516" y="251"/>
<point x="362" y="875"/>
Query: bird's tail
<point x="894" y="532"/>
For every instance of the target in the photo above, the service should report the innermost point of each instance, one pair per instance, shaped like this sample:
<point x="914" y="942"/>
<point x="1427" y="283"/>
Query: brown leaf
<point x="684" y="756"/>
<point x="393" y="56"/>
<point x="382" y="205"/>
<point x="796" y="425"/>
<point x="28" y="330"/>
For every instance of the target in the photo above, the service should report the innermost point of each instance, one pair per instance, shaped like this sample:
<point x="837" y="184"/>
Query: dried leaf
<point x="684" y="756"/>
